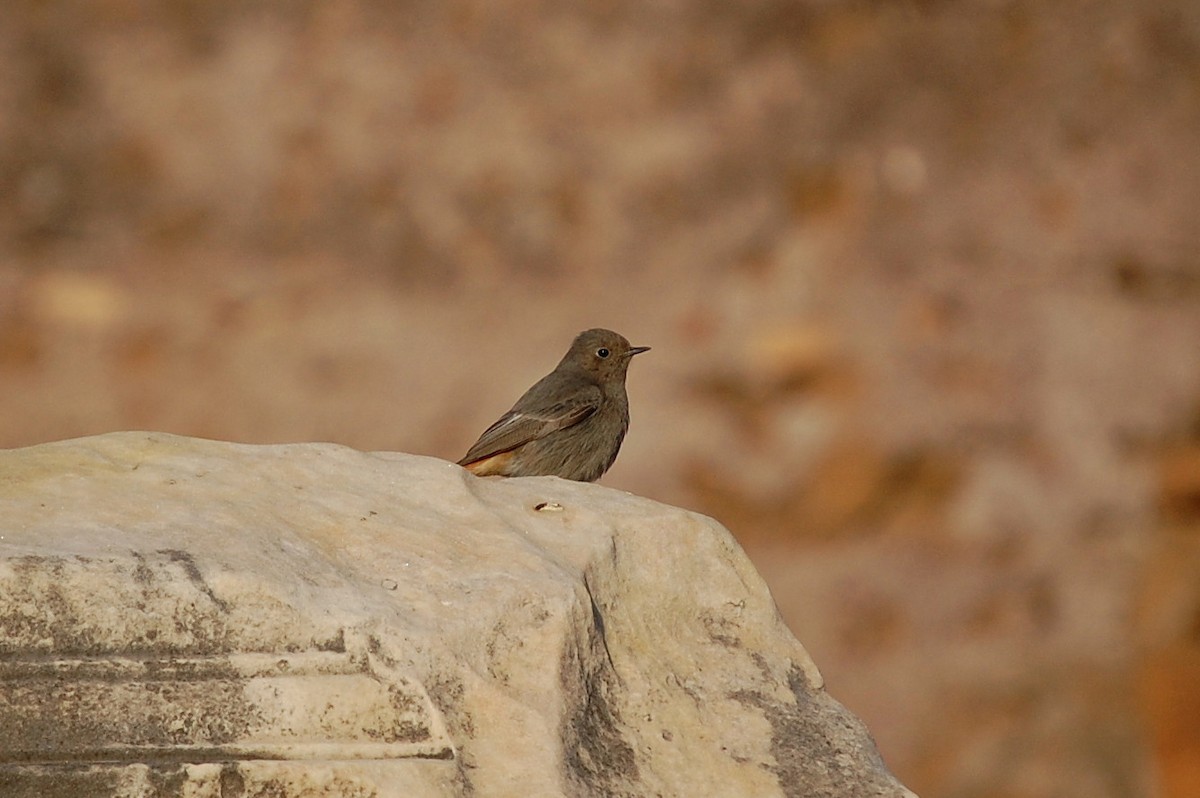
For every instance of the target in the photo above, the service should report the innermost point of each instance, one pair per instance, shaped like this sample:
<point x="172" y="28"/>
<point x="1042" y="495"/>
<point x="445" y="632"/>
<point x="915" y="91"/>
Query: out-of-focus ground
<point x="922" y="281"/>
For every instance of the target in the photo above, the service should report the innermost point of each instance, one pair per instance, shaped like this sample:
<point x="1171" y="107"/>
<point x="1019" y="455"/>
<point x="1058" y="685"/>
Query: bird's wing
<point x="519" y="426"/>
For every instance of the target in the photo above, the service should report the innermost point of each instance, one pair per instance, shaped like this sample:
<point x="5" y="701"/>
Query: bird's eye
<point x="602" y="352"/>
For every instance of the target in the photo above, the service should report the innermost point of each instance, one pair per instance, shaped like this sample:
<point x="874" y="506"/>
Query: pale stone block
<point x="191" y="618"/>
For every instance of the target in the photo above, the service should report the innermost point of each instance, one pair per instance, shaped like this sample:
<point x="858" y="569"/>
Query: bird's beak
<point x="637" y="350"/>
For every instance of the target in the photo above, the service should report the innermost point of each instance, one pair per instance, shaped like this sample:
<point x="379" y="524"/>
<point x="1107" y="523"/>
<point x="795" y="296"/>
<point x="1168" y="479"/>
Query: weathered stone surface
<point x="186" y="617"/>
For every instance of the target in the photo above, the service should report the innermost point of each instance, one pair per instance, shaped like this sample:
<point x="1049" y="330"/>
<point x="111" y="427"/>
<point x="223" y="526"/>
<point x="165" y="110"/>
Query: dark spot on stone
<point x="761" y="663"/>
<point x="184" y="560"/>
<point x="335" y="644"/>
<point x="60" y="782"/>
<point x="141" y="572"/>
<point x="598" y="758"/>
<point x="820" y="749"/>
<point x="446" y="694"/>
<point x="232" y="783"/>
<point x="717" y="631"/>
<point x="168" y="780"/>
<point x="598" y="621"/>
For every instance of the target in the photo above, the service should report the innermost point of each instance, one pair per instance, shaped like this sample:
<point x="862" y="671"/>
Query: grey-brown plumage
<point x="570" y="423"/>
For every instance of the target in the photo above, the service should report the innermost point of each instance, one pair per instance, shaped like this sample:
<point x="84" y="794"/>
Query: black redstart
<point x="570" y="423"/>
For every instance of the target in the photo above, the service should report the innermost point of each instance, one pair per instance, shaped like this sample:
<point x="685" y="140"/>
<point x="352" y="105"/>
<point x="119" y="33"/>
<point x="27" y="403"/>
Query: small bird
<point x="571" y="423"/>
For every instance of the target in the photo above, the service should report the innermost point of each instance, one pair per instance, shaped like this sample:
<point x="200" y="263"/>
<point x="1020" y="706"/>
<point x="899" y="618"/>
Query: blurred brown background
<point x="922" y="282"/>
